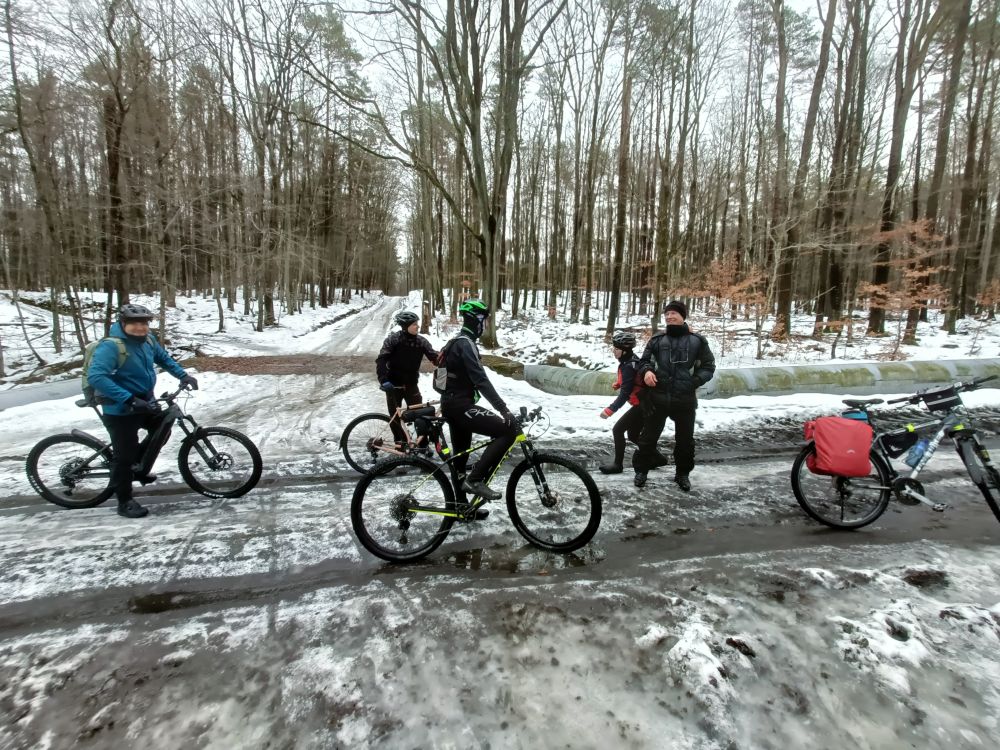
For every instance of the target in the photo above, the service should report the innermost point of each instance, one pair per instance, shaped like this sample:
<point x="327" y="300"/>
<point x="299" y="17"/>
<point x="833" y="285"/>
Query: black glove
<point x="509" y="420"/>
<point x="189" y="382"/>
<point x="142" y="406"/>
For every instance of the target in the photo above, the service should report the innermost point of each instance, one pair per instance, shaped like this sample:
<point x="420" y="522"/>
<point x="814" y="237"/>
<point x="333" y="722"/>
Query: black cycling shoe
<point x="131" y="509"/>
<point x="480" y="489"/>
<point x="146" y="479"/>
<point x="683" y="482"/>
<point x="611" y="468"/>
<point x="640" y="479"/>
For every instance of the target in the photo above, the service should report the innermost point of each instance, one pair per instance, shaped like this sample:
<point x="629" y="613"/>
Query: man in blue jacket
<point x="126" y="393"/>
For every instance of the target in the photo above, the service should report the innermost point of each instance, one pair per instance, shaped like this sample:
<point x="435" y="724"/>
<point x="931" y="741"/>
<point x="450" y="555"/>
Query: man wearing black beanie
<point x="674" y="364"/>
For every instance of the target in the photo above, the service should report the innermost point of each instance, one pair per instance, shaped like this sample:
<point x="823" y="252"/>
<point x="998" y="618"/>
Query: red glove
<point x="606" y="412"/>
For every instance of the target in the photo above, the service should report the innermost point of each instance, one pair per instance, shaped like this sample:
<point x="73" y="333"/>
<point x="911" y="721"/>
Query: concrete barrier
<point x="860" y="378"/>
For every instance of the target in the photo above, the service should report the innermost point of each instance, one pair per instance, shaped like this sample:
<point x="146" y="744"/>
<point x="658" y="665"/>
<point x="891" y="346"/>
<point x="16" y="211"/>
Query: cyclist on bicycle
<point x="467" y="379"/>
<point x="398" y="368"/>
<point x="126" y="393"/>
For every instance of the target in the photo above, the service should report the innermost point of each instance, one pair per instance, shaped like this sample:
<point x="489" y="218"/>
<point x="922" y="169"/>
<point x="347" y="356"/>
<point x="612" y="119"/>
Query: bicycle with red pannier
<point x="844" y="477"/>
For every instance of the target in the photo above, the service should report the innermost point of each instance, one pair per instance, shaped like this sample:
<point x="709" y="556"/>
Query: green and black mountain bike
<point x="402" y="516"/>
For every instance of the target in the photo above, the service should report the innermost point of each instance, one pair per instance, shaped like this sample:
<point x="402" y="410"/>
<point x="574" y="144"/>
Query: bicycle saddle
<point x="410" y="415"/>
<point x="861" y="403"/>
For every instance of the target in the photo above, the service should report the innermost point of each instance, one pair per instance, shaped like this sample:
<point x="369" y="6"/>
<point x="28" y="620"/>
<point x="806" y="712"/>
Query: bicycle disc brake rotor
<point x="906" y="483"/>
<point x="221" y="461"/>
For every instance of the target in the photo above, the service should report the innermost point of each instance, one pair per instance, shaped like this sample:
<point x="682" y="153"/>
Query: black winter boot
<point x="131" y="509"/>
<point x="611" y="468"/>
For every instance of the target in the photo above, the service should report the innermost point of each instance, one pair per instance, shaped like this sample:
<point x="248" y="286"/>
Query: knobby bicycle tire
<point x="69" y="472"/>
<point x="361" y="457"/>
<point x="982" y="472"/>
<point x="566" y="516"/>
<point x="219" y="486"/>
<point x="826" y="498"/>
<point x="378" y="514"/>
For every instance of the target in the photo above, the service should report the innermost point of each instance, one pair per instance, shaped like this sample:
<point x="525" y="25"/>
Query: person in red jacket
<point x="630" y="424"/>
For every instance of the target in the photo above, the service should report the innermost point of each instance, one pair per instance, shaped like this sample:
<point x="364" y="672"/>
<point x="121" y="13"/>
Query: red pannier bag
<point x="842" y="447"/>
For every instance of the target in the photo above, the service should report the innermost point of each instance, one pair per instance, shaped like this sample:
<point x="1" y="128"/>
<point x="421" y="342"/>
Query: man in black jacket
<point x="675" y="363"/>
<point x="467" y="379"/>
<point x="398" y="367"/>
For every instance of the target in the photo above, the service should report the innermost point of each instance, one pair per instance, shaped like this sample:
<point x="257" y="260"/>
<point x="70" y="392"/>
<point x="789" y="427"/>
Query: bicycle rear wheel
<point x="553" y="502"/>
<point x="383" y="515"/>
<point x="841" y="502"/>
<point x="71" y="470"/>
<point x="219" y="462"/>
<point x="363" y="440"/>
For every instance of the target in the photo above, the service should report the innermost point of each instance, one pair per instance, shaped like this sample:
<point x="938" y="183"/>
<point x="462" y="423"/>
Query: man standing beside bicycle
<point x="125" y="389"/>
<point x="398" y="368"/>
<point x="673" y="366"/>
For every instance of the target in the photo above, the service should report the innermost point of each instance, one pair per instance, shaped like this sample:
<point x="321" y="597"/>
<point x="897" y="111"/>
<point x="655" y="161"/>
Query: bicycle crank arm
<point x="912" y="493"/>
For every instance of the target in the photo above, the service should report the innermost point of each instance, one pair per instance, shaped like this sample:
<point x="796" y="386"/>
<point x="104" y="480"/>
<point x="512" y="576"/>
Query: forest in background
<point x="765" y="154"/>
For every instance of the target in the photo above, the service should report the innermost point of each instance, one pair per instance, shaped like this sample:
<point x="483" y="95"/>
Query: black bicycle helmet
<point x="623" y="340"/>
<point x="132" y="312"/>
<point x="406" y="318"/>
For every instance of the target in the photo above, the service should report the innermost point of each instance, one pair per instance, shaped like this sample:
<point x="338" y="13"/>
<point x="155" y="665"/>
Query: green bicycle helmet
<point x="474" y="313"/>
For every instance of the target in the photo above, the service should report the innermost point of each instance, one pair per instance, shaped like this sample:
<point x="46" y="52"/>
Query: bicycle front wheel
<point x="71" y="470"/>
<point x="386" y="509"/>
<point x="982" y="472"/>
<point x="219" y="462"/>
<point x="841" y="502"/>
<point x="553" y="502"/>
<point x="365" y="439"/>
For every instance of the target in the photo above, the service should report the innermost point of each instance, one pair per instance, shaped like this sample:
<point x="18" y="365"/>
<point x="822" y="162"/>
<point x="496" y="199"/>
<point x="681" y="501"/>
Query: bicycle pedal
<point x="480" y="514"/>
<point x="939" y="507"/>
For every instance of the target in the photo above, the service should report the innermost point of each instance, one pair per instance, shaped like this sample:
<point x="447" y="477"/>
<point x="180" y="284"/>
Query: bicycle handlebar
<point x="169" y="397"/>
<point x="959" y="388"/>
<point x="525" y="416"/>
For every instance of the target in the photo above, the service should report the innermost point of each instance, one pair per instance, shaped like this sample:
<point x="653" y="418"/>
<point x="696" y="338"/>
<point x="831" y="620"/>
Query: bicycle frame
<point x="411" y="443"/>
<point x="465" y="509"/>
<point x="157" y="439"/>
<point x="949" y="425"/>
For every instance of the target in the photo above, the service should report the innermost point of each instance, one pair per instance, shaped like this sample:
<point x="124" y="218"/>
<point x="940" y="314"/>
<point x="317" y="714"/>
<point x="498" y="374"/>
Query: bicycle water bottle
<point x="917" y="452"/>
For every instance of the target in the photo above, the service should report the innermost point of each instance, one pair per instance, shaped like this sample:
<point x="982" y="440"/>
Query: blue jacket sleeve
<point x="103" y="365"/>
<point x="167" y="362"/>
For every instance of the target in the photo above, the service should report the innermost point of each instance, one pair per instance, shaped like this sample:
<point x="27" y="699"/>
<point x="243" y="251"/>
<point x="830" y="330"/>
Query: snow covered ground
<point x="719" y="619"/>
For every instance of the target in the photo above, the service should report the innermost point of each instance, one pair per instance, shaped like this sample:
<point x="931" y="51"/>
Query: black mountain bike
<point x="853" y="502"/>
<point x="552" y="501"/>
<point x="74" y="469"/>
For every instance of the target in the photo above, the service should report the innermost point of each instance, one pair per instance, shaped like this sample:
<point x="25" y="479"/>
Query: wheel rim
<point x="387" y="517"/>
<point x="226" y="466"/>
<point x="65" y="470"/>
<point x="843" y="501"/>
<point x="365" y="442"/>
<point x="557" y="514"/>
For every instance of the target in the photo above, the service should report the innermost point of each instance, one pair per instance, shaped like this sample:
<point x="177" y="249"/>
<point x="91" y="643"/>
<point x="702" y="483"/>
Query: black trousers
<point x="465" y="418"/>
<point x="124" y="433"/>
<point x="394" y="399"/>
<point x="629" y="425"/>
<point x="656" y="413"/>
